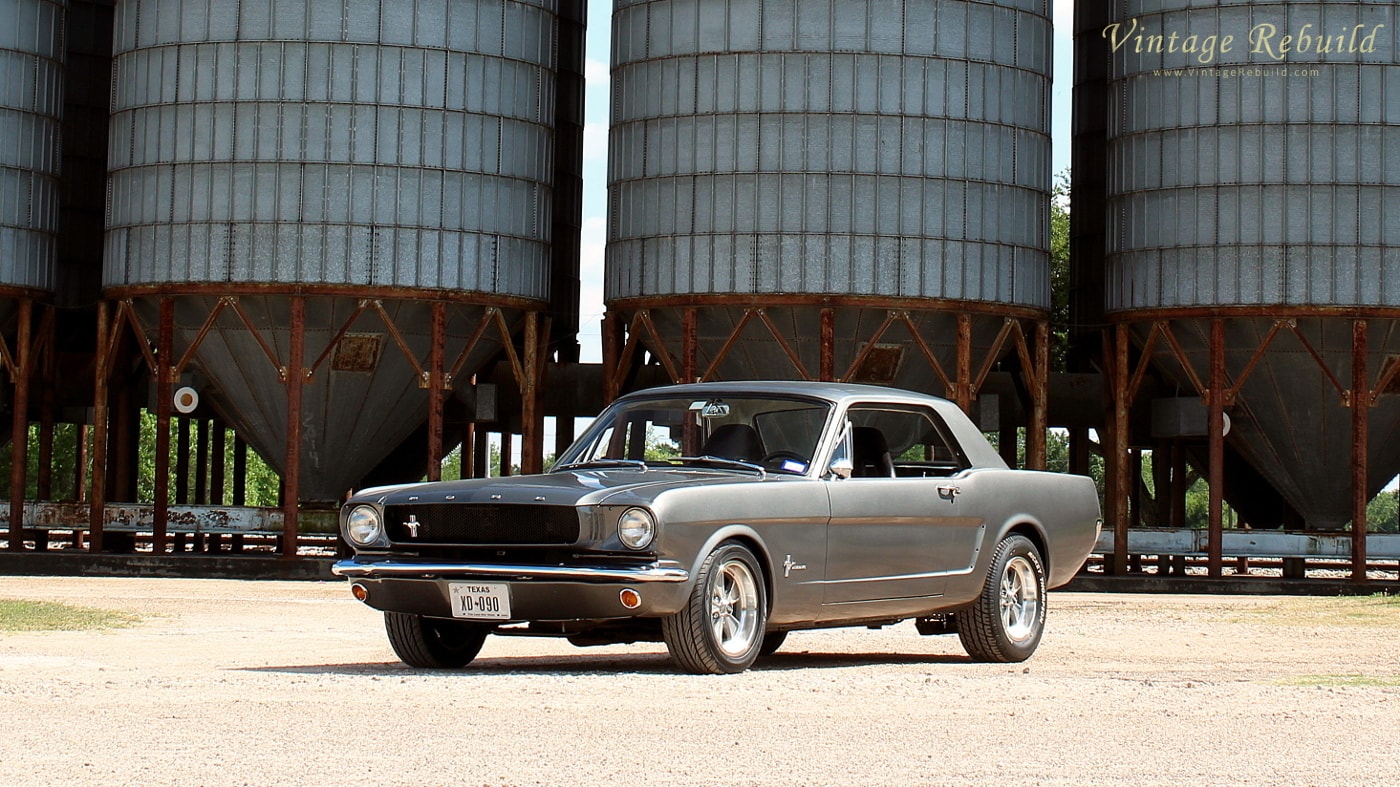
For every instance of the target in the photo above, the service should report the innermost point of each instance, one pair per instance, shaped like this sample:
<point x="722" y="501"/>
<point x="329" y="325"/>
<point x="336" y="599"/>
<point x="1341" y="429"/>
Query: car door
<point x="896" y="533"/>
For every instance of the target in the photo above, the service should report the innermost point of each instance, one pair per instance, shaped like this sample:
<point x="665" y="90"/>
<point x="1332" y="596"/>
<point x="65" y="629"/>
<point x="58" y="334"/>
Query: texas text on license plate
<point x="480" y="600"/>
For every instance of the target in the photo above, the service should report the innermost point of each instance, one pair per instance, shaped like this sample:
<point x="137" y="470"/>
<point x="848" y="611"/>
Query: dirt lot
<point x="278" y="683"/>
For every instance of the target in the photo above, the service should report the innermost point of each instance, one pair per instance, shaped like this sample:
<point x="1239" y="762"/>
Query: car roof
<point x="974" y="445"/>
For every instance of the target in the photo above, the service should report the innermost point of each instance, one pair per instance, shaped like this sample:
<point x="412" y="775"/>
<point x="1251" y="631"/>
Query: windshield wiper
<point x="723" y="461"/>
<point x="636" y="464"/>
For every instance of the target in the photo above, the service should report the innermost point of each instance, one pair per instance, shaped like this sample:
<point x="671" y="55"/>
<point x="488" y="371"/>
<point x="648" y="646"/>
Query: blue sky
<point x="595" y="176"/>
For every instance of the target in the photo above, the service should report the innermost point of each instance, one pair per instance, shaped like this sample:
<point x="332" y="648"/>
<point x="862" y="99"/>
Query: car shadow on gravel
<point x="612" y="663"/>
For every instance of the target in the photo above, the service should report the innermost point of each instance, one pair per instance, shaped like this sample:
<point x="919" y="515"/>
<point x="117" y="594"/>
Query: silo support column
<point x="293" y="375"/>
<point x="1215" y="428"/>
<point x="436" y="390"/>
<point x="1360" y="413"/>
<point x="165" y="351"/>
<point x="531" y="375"/>
<point x="1116" y="461"/>
<point x="613" y="373"/>
<point x="827" y="364"/>
<point x="962" y="393"/>
<point x="97" y="496"/>
<point x="20" y="366"/>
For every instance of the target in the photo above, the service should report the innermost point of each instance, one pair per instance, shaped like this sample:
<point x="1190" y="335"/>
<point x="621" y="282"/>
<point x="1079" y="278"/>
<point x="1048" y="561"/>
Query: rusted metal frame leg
<point x="827" y="365"/>
<point x="294" y="377"/>
<point x="1036" y="452"/>
<point x="613" y="339"/>
<point x="217" y="461"/>
<point x="1360" y="415"/>
<point x="183" y="446"/>
<point x="531" y="417"/>
<point x="97" y="494"/>
<point x="19" y="426"/>
<point x="507" y="448"/>
<point x="690" y="345"/>
<point x="481" y="456"/>
<point x="1215" y="428"/>
<point x="436" y="388"/>
<point x="165" y="351"/>
<point x="962" y="393"/>
<point x="1116" y="461"/>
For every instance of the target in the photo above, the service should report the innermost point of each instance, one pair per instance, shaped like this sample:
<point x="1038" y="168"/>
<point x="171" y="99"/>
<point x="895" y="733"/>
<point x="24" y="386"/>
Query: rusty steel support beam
<point x="1178" y="484"/>
<point x="690" y="346"/>
<point x="80" y="463"/>
<point x="507" y="448"/>
<point x="436" y="390"/>
<point x="613" y="339"/>
<point x="1116" y="455"/>
<point x="962" y="392"/>
<point x="240" y="470"/>
<point x="165" y="352"/>
<point x="1215" y="428"/>
<point x="19" y="425"/>
<point x="481" y="456"/>
<point x="293" y="375"/>
<point x="827" y="364"/>
<point x="97" y="496"/>
<point x="1360" y="415"/>
<point x="1036" y="452"/>
<point x="531" y="412"/>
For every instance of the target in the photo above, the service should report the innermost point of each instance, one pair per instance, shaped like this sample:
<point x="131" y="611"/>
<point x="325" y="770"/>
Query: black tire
<point x="1006" y="622"/>
<point x="771" y="642"/>
<point x="434" y="643"/>
<point x="720" y="629"/>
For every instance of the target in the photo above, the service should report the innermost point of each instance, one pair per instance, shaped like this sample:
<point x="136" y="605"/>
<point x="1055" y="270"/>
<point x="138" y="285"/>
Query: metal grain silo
<point x="828" y="189"/>
<point x="369" y="174"/>
<point x="1253" y="173"/>
<point x="31" y="104"/>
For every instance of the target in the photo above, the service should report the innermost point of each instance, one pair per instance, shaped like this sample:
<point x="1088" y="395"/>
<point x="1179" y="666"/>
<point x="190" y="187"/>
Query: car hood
<point x="572" y="487"/>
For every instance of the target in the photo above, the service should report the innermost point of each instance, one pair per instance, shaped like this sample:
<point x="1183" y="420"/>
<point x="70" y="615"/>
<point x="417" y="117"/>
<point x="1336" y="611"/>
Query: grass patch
<point x="1330" y="681"/>
<point x="1376" y="611"/>
<point x="19" y="615"/>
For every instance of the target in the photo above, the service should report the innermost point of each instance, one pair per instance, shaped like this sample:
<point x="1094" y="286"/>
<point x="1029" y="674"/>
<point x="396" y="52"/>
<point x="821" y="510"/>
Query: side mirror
<point x="842" y="467"/>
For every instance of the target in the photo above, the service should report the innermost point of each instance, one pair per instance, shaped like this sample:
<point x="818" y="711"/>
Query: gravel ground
<point x="279" y="683"/>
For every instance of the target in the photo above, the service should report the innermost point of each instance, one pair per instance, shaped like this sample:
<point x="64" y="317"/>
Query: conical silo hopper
<point x="371" y="159"/>
<point x="829" y="189"/>
<point x="1256" y="181"/>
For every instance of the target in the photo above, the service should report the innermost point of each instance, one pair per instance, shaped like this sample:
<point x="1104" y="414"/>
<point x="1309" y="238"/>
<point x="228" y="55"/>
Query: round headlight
<point x="363" y="526"/>
<point x="636" y="528"/>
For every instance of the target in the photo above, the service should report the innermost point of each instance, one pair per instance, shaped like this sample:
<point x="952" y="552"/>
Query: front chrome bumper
<point x="385" y="569"/>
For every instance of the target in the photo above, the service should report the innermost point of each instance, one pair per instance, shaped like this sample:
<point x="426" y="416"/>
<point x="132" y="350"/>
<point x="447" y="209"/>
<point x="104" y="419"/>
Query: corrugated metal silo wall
<point x="349" y="149"/>
<point x="788" y="150"/>
<point x="31" y="105"/>
<point x="1261" y="176"/>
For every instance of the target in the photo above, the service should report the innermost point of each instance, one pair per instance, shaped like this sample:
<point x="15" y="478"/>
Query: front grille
<point x="452" y="523"/>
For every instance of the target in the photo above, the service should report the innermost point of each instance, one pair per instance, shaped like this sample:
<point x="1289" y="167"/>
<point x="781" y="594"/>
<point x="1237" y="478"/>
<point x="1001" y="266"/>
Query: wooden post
<point x="1215" y="428"/>
<point x="531" y="415"/>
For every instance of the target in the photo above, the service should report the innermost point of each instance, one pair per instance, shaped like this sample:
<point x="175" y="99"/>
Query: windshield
<point x="776" y="434"/>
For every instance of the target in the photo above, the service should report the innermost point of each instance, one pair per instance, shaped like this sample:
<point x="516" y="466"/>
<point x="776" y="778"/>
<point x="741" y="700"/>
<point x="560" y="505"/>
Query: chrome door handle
<point x="948" y="492"/>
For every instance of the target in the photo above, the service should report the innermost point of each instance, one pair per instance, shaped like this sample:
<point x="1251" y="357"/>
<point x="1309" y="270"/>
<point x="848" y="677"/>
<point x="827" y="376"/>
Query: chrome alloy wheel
<point x="734" y="614"/>
<point x="1020" y="599"/>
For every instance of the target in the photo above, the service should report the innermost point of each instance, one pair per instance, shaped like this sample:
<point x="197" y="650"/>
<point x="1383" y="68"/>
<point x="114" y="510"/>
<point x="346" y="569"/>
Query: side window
<point x="915" y="441"/>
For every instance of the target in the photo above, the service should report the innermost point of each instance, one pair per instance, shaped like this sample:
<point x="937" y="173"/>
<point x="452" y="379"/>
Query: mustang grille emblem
<point x="412" y="525"/>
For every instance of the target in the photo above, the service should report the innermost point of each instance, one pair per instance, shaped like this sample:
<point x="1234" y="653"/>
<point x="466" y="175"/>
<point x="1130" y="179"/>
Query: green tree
<point x="1059" y="270"/>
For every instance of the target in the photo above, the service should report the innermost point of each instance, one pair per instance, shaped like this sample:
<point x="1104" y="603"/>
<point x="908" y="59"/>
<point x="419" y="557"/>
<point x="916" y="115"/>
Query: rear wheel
<point x="720" y="629"/>
<point x="1006" y="622"/>
<point x="434" y="643"/>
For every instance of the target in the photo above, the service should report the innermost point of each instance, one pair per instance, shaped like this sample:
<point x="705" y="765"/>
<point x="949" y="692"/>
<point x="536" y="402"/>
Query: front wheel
<point x="434" y="643"/>
<point x="720" y="629"/>
<point x="1008" y="617"/>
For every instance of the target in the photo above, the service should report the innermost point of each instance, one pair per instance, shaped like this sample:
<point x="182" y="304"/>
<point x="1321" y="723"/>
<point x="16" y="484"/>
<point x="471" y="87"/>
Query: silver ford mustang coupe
<point x="717" y="517"/>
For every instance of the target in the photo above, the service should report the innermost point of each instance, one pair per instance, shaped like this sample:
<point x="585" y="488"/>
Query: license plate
<point x="480" y="600"/>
